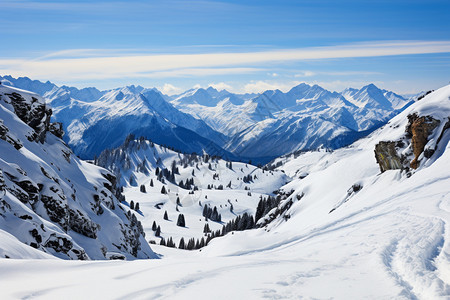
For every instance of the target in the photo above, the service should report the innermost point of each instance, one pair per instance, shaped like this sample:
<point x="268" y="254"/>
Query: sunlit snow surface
<point x="390" y="240"/>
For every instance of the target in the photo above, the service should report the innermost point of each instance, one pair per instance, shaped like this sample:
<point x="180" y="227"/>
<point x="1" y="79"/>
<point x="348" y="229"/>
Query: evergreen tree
<point x="154" y="226"/>
<point x="206" y="228"/>
<point x="151" y="182"/>
<point x="132" y="204"/>
<point x="181" y="222"/>
<point x="142" y="189"/>
<point x="166" y="217"/>
<point x="162" y="242"/>
<point x="136" y="207"/>
<point x="163" y="190"/>
<point x="181" y="244"/>
<point x="158" y="231"/>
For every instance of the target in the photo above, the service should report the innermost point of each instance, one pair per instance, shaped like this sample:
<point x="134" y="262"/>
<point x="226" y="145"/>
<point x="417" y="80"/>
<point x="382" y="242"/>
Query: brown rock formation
<point x="421" y="128"/>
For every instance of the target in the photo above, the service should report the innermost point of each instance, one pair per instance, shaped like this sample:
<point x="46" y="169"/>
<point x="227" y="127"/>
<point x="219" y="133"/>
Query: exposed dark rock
<point x="66" y="155"/>
<point x="2" y="181"/>
<point x="82" y="224"/>
<point x="57" y="129"/>
<point x="35" y="234"/>
<point x="35" y="114"/>
<point x="112" y="179"/>
<point x="56" y="209"/>
<point x="6" y="137"/>
<point x="387" y="157"/>
<point x="30" y="188"/>
<point x="59" y="244"/>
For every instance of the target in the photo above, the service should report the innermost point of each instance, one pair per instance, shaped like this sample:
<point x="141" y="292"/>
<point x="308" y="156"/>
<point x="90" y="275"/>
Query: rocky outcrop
<point x="4" y="135"/>
<point x="419" y="128"/>
<point x="45" y="190"/>
<point x="34" y="113"/>
<point x="57" y="129"/>
<point x="412" y="146"/>
<point x="387" y="157"/>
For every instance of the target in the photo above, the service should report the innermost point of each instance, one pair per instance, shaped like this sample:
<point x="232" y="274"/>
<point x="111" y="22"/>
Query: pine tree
<point x="162" y="242"/>
<point x="181" y="244"/>
<point x="132" y="204"/>
<point x="154" y="226"/>
<point x="166" y="217"/>
<point x="136" y="207"/>
<point x="142" y="189"/>
<point x="151" y="182"/>
<point x="158" y="231"/>
<point x="181" y="222"/>
<point x="163" y="190"/>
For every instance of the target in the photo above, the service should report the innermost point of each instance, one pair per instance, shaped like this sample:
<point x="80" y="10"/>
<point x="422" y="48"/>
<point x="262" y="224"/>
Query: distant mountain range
<point x="259" y="127"/>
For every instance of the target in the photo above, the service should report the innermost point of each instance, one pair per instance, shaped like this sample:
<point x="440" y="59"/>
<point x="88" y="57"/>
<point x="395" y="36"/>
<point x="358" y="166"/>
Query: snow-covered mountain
<point x="369" y="221"/>
<point x="257" y="127"/>
<point x="52" y="201"/>
<point x="104" y="123"/>
<point x="306" y="117"/>
<point x="95" y="120"/>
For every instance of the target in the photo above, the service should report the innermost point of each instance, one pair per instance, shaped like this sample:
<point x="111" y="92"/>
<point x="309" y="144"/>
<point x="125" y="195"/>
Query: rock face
<point x="57" y="129"/>
<point x="387" y="157"/>
<point x="411" y="145"/>
<point x="420" y="129"/>
<point x="32" y="112"/>
<point x="51" y="200"/>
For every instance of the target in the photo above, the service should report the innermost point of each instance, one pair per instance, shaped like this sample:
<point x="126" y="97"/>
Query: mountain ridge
<point x="219" y="121"/>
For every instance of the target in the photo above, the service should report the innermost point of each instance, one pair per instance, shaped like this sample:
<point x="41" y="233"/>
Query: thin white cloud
<point x="301" y="74"/>
<point x="221" y="86"/>
<point x="169" y="89"/>
<point x="305" y="74"/>
<point x="261" y="86"/>
<point x="173" y="65"/>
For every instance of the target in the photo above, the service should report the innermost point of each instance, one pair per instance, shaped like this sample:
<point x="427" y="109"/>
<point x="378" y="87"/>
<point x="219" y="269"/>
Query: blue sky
<point x="244" y="46"/>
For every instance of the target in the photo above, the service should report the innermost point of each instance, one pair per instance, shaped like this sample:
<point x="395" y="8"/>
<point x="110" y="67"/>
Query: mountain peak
<point x="370" y="86"/>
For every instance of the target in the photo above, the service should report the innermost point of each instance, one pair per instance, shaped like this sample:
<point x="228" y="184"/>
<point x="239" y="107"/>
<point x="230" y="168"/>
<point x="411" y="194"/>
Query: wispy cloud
<point x="170" y="89"/>
<point x="333" y="73"/>
<point x="104" y="65"/>
<point x="221" y="86"/>
<point x="261" y="86"/>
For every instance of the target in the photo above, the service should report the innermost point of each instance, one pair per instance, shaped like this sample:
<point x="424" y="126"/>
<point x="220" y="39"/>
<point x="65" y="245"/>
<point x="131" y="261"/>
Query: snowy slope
<point x="137" y="163"/>
<point x="386" y="240"/>
<point x="49" y="199"/>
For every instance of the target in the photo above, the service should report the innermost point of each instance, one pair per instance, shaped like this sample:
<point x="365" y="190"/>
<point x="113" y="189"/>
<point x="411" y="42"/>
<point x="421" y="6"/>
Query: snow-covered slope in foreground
<point x="387" y="239"/>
